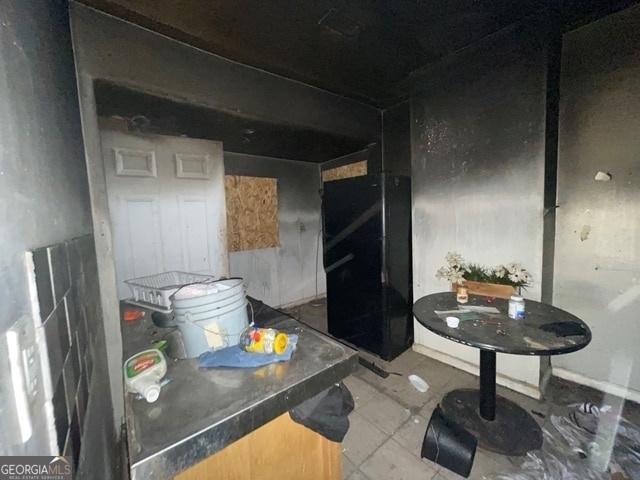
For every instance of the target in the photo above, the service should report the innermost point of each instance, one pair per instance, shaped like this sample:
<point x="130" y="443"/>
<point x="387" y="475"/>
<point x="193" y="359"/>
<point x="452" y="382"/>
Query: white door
<point x="166" y="204"/>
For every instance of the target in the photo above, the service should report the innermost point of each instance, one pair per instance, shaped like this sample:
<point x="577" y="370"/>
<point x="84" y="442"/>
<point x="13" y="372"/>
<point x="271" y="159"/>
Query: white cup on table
<point x="452" y="322"/>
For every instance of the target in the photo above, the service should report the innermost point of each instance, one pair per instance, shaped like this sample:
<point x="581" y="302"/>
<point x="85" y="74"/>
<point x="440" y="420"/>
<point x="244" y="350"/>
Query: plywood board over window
<point x="252" y="212"/>
<point x="346" y="171"/>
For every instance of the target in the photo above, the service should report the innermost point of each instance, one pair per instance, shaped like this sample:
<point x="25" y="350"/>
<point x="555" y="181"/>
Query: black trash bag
<point x="326" y="413"/>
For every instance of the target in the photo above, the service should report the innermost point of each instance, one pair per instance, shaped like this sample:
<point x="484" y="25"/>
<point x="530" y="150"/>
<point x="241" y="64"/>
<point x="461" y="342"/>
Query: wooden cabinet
<point x="280" y="449"/>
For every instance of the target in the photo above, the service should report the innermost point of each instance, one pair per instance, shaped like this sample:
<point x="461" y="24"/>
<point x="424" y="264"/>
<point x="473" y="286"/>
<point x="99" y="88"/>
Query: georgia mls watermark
<point x="35" y="468"/>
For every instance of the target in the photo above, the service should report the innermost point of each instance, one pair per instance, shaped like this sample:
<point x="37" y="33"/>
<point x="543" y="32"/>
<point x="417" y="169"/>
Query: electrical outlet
<point x="29" y="360"/>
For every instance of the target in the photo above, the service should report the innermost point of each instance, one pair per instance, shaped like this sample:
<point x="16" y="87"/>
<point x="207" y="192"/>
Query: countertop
<point x="202" y="411"/>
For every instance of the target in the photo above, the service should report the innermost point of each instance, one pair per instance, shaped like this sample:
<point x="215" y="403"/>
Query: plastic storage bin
<point x="153" y="291"/>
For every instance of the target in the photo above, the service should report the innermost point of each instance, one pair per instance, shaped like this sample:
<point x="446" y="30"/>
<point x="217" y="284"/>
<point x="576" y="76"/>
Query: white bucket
<point x="214" y="320"/>
<point x="197" y="294"/>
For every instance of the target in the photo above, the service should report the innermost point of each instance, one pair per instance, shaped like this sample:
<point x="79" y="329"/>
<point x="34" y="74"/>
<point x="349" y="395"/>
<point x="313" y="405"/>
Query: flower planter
<point x="487" y="289"/>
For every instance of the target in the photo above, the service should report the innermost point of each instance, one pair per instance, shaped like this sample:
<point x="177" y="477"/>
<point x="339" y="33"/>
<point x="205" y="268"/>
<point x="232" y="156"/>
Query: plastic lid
<point x="280" y="343"/>
<point x="152" y="392"/>
<point x="517" y="298"/>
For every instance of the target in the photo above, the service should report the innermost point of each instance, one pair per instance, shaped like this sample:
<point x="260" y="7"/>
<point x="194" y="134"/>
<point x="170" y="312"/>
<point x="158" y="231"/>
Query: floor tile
<point x="391" y="416"/>
<point x="407" y="362"/>
<point x="411" y="433"/>
<point x="361" y="391"/>
<point x="484" y="463"/>
<point x="358" y="475"/>
<point x="362" y="439"/>
<point x="461" y="379"/>
<point x="437" y="374"/>
<point x="428" y="408"/>
<point x="401" y="390"/>
<point x="348" y="467"/>
<point x="384" y="412"/>
<point x="376" y="381"/>
<point x="393" y="462"/>
<point x="439" y="476"/>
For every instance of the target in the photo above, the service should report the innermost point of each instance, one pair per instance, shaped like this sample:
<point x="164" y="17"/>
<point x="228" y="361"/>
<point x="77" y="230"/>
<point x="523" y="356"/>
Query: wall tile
<point x="43" y="282"/>
<point x="59" y="262"/>
<point x="75" y="360"/>
<point x="60" y="415"/>
<point x="70" y="382"/>
<point x="81" y="400"/>
<point x="68" y="291"/>
<point x="67" y="451"/>
<point x="63" y="329"/>
<point x="72" y="311"/>
<point x="55" y="330"/>
<point x="74" y="431"/>
<point x="88" y="361"/>
<point x="82" y="329"/>
<point x="81" y="345"/>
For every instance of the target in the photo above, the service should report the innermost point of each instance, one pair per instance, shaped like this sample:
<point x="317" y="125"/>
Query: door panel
<point x="167" y="205"/>
<point x="195" y="234"/>
<point x="140" y="237"/>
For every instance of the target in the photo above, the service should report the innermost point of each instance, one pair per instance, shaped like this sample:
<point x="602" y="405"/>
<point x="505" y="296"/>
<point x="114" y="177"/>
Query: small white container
<point x="452" y="322"/>
<point x="516" y="307"/>
<point x="418" y="383"/>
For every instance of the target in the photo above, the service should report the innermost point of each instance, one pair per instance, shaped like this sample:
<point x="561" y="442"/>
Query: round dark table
<point x="499" y="424"/>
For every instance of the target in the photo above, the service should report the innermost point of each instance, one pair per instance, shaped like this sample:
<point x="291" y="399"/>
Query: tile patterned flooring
<point x="391" y="416"/>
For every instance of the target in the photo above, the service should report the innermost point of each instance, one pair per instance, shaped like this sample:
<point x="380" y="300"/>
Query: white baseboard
<point x="301" y="301"/>
<point x="503" y="380"/>
<point x="606" y="387"/>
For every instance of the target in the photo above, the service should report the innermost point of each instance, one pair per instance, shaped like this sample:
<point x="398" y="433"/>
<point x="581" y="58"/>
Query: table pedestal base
<point x="513" y="432"/>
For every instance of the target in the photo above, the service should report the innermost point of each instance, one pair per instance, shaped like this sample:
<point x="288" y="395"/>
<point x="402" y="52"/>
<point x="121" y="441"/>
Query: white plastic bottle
<point x="143" y="372"/>
<point x="516" y="307"/>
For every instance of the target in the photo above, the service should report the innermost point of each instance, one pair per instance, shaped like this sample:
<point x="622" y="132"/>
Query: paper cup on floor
<point x="453" y="322"/>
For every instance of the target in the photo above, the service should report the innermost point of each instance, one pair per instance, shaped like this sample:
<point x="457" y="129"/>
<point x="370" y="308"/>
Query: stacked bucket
<point x="211" y="316"/>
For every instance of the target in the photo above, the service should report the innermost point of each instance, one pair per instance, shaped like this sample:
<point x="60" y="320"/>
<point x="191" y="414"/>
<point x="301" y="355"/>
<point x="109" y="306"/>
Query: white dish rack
<point x="153" y="291"/>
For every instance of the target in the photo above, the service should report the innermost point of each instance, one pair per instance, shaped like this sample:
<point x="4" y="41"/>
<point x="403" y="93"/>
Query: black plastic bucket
<point x="449" y="444"/>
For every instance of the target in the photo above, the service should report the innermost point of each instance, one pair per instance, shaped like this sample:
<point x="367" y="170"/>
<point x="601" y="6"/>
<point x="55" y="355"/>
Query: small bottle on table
<point x="462" y="294"/>
<point x="516" y="307"/>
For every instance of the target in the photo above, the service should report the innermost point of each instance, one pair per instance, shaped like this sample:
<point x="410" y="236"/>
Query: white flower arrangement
<point x="457" y="270"/>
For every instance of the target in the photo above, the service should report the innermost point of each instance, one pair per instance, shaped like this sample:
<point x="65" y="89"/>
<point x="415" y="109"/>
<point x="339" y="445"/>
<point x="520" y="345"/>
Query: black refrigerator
<point x="367" y="261"/>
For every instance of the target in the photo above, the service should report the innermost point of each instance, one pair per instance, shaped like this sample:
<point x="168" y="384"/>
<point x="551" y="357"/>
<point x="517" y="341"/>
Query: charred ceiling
<point x="147" y="113"/>
<point x="356" y="48"/>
